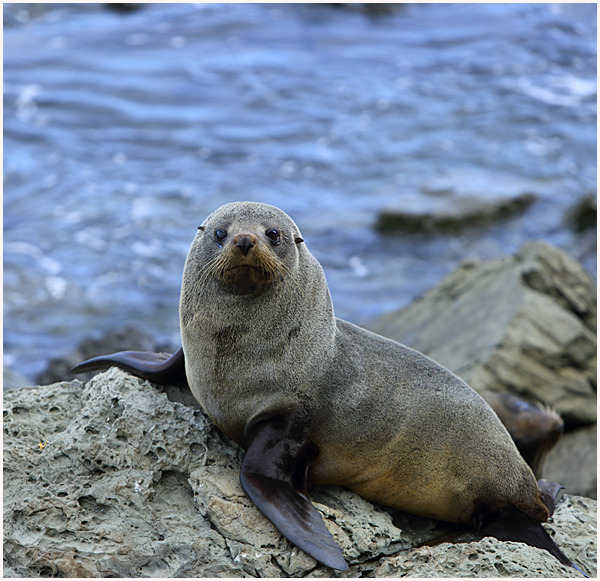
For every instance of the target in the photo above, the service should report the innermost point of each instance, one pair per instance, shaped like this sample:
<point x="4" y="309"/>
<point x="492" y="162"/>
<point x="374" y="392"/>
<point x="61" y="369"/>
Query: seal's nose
<point x="244" y="242"/>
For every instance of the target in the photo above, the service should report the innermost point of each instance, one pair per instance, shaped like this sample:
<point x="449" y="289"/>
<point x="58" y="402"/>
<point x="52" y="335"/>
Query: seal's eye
<point x="273" y="235"/>
<point x="220" y="235"/>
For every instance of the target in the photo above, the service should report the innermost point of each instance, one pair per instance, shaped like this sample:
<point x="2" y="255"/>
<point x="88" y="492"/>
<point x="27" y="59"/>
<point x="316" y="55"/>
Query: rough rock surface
<point x="117" y="478"/>
<point x="524" y="324"/>
<point x="482" y="559"/>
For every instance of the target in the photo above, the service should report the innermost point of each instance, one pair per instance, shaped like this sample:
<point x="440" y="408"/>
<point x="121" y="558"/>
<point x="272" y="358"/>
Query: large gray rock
<point x="524" y="324"/>
<point x="116" y="478"/>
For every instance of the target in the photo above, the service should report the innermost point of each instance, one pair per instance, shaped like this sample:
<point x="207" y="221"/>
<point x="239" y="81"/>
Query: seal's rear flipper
<point x="157" y="367"/>
<point x="550" y="492"/>
<point x="274" y="476"/>
<point x="510" y="524"/>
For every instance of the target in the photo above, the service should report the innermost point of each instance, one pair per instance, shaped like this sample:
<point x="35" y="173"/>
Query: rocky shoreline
<point x="524" y="324"/>
<point x="115" y="477"/>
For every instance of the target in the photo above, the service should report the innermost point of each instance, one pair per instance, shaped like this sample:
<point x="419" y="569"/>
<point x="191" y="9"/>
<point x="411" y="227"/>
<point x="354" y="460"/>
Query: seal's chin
<point x="246" y="278"/>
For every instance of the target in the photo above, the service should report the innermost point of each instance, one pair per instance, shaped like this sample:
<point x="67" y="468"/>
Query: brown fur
<point x="535" y="429"/>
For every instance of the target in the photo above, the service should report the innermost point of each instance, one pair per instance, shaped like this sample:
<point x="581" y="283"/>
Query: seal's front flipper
<point x="157" y="367"/>
<point x="510" y="524"/>
<point x="274" y="474"/>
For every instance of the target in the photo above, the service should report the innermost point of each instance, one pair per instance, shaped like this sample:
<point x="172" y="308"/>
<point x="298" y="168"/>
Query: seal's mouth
<point x="246" y="277"/>
<point x="244" y="273"/>
<point x="238" y="266"/>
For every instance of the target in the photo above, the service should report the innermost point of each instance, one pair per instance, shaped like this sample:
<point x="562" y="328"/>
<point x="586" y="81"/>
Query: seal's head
<point x="535" y="429"/>
<point x="245" y="247"/>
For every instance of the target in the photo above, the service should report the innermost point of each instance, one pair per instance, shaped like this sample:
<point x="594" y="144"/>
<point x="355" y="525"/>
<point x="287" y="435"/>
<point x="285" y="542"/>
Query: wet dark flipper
<point x="274" y="473"/>
<point x="157" y="367"/>
<point x="510" y="524"/>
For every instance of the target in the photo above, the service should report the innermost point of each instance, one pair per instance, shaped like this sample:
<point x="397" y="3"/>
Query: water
<point x="123" y="131"/>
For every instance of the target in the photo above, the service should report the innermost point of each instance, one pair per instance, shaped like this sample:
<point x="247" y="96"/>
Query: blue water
<point x="123" y="131"/>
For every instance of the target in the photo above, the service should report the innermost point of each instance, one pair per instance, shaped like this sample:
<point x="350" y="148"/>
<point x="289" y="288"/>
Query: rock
<point x="374" y="9"/>
<point x="448" y="215"/>
<point x="123" y="7"/>
<point x="584" y="214"/>
<point x="488" y="558"/>
<point x="114" y="478"/>
<point x="96" y="474"/>
<point x="482" y="559"/>
<point x="455" y="202"/>
<point x="573" y="462"/>
<point x="524" y="324"/>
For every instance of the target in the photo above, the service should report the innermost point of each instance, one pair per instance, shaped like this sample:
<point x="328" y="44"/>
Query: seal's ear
<point x="201" y="228"/>
<point x="298" y="240"/>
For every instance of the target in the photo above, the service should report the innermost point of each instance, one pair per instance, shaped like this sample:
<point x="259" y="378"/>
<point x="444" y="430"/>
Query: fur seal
<point x="315" y="398"/>
<point x="535" y="429"/>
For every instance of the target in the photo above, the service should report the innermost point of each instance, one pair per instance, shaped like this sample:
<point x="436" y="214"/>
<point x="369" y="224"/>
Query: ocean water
<point x="123" y="131"/>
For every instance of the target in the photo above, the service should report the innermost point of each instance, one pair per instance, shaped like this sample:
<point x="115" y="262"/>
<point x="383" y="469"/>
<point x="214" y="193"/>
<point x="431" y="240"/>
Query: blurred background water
<point x="122" y="131"/>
